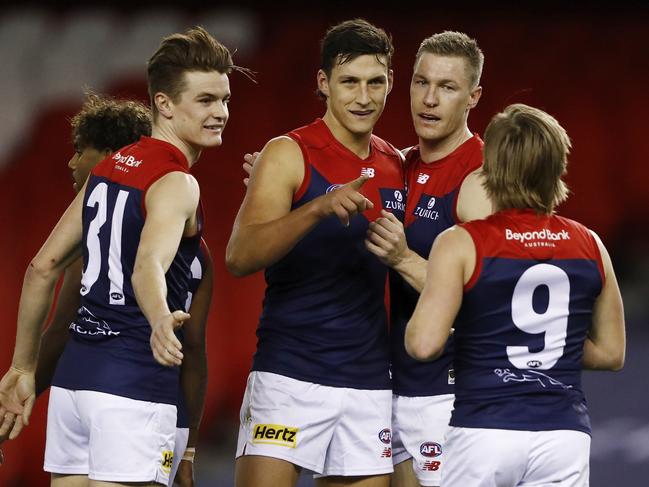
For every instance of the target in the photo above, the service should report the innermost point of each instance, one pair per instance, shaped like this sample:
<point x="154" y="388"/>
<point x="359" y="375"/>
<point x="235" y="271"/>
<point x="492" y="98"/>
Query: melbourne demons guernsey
<point x="519" y="335"/>
<point x="432" y="201"/>
<point x="109" y="349"/>
<point x="197" y="269"/>
<point x="324" y="318"/>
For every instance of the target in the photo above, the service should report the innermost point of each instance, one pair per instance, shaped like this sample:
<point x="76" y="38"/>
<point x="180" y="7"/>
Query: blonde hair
<point x="525" y="155"/>
<point x="455" y="44"/>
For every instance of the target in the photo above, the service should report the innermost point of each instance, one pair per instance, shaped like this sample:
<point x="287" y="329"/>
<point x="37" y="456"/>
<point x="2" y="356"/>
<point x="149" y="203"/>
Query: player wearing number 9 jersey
<point x="113" y="414"/>
<point x="533" y="298"/>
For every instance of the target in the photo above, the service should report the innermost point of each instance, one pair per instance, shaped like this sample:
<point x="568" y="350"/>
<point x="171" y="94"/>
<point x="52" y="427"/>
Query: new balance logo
<point x="431" y="466"/>
<point x="275" y="434"/>
<point x="422" y="178"/>
<point x="387" y="453"/>
<point x="367" y="171"/>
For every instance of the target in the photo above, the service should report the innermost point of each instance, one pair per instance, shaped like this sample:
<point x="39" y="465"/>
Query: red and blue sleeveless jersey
<point x="197" y="269"/>
<point x="109" y="349"/>
<point x="324" y="318"/>
<point x="432" y="201"/>
<point x="520" y="332"/>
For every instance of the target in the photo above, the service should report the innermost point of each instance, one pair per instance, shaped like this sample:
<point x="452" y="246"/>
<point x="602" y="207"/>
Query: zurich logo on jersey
<point x="431" y="202"/>
<point x="333" y="187"/>
<point x="398" y="196"/>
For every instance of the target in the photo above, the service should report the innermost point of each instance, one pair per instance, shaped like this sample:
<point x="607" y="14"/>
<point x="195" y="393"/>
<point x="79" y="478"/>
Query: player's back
<point x="111" y="335"/>
<point x="324" y="318"/>
<point x="520" y="332"/>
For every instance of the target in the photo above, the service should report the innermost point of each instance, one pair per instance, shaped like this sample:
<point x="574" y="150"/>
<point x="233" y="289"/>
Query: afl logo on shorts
<point x="333" y="187"/>
<point x="430" y="449"/>
<point x="385" y="436"/>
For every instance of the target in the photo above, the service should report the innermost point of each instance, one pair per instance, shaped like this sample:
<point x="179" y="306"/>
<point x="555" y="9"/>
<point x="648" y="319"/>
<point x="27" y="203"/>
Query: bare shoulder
<point x="177" y="188"/>
<point x="454" y="239"/>
<point x="280" y="161"/>
<point x="473" y="202"/>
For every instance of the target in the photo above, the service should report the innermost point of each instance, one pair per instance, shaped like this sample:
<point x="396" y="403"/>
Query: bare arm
<point x="17" y="387"/>
<point x="604" y="347"/>
<point x="54" y="338"/>
<point x="171" y="204"/>
<point x="266" y="229"/>
<point x="450" y="264"/>
<point x="472" y="200"/>
<point x="386" y="239"/>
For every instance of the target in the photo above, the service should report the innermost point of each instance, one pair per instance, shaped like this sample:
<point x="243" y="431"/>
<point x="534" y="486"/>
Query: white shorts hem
<point x="67" y="470"/>
<point x="358" y="473"/>
<point x="287" y="458"/>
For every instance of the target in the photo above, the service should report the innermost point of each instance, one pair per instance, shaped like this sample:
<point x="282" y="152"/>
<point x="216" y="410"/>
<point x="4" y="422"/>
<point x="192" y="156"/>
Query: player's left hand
<point x="386" y="239"/>
<point x="185" y="474"/>
<point x="165" y="345"/>
<point x="17" y="396"/>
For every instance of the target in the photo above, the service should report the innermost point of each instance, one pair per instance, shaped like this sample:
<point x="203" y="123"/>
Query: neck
<point x="434" y="150"/>
<point x="359" y="144"/>
<point x="166" y="133"/>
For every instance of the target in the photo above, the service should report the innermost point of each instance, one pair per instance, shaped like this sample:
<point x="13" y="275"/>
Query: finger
<point x="368" y="204"/>
<point x="29" y="405"/>
<point x="248" y="157"/>
<point x="390" y="216"/>
<point x="246" y="181"/>
<point x="180" y="315"/>
<point x="376" y="250"/>
<point x="384" y="232"/>
<point x="247" y="167"/>
<point x="379" y="241"/>
<point x="342" y="215"/>
<point x="7" y="423"/>
<point x="358" y="182"/>
<point x="18" y="427"/>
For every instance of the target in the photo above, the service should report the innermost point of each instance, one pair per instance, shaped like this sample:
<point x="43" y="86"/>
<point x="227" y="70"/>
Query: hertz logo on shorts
<point x="275" y="434"/>
<point x="167" y="460"/>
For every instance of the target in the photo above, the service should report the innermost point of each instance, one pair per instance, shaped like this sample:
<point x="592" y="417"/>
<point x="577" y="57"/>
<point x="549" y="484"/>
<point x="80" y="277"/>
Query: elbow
<point x="421" y="350"/>
<point x="235" y="263"/>
<point x="617" y="363"/>
<point x="38" y="270"/>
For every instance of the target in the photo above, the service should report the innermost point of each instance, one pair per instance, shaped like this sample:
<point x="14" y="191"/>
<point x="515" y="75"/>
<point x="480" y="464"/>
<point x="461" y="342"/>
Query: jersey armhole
<point x="307" y="169"/>
<point x="479" y="252"/>
<point x="598" y="257"/>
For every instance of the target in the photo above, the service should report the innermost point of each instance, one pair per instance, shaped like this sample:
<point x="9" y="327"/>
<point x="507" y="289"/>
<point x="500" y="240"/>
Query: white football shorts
<point x="495" y="457"/>
<point x="329" y="430"/>
<point x="419" y="426"/>
<point x="108" y="437"/>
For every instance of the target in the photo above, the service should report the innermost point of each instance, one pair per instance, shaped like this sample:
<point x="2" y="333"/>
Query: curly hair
<point x="108" y="123"/>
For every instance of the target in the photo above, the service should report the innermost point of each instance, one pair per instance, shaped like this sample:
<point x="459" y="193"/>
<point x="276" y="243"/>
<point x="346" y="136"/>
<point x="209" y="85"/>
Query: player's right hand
<point x="346" y="201"/>
<point x="17" y="396"/>
<point x="165" y="346"/>
<point x="250" y="160"/>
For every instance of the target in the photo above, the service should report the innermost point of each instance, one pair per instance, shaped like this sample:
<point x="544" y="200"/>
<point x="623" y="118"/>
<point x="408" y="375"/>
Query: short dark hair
<point x="108" y="123"/>
<point x="455" y="44"/>
<point x="350" y="39"/>
<point x="194" y="50"/>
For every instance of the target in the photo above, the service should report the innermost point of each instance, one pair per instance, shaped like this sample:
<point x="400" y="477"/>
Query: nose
<point x="431" y="99"/>
<point x="72" y="163"/>
<point x="363" y="95"/>
<point x="220" y="111"/>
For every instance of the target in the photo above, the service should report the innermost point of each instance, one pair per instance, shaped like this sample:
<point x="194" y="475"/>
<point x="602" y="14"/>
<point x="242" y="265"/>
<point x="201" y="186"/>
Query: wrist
<point x="189" y="455"/>
<point x="402" y="260"/>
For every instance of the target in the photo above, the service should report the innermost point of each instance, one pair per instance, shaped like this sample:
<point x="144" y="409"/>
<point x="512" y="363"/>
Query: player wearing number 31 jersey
<point x="533" y="298"/>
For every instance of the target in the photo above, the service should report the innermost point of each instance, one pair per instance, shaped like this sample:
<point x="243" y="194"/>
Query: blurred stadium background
<point x="586" y="67"/>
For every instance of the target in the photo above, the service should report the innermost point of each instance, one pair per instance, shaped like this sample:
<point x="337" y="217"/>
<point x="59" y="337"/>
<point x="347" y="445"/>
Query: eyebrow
<point x="211" y="96"/>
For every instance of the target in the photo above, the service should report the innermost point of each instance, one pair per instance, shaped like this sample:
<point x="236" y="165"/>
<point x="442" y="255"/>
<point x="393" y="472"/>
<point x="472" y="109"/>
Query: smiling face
<point x="441" y="95"/>
<point x="356" y="93"/>
<point x="200" y="112"/>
